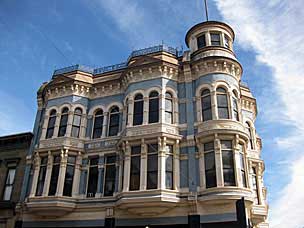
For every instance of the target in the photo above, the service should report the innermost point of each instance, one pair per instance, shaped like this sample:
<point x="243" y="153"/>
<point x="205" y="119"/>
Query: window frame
<point x="107" y="166"/>
<point x="199" y="39"/>
<point x="64" y="118"/>
<point x="152" y="98"/>
<point x="222" y="107"/>
<point x="212" y="170"/>
<point x="251" y="140"/>
<point x="68" y="183"/>
<point x="51" y="124"/>
<point x="243" y="166"/>
<point x="138" y="101"/>
<point x="228" y="170"/>
<point x="9" y="185"/>
<point x="169" y="173"/>
<point x="169" y="112"/>
<point x="218" y="42"/>
<point x="90" y="170"/>
<point x="54" y="177"/>
<point x="151" y="153"/>
<point x="41" y="176"/>
<point x="235" y="106"/>
<point x="112" y="113"/>
<point x="209" y="109"/>
<point x="135" y="174"/>
<point x="76" y="126"/>
<point x="97" y="115"/>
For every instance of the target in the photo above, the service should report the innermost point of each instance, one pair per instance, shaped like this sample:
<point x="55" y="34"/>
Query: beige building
<point x="165" y="139"/>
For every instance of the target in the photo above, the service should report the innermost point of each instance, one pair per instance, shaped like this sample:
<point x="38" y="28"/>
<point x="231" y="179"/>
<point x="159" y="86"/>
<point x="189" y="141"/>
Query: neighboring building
<point x="13" y="150"/>
<point x="166" y="138"/>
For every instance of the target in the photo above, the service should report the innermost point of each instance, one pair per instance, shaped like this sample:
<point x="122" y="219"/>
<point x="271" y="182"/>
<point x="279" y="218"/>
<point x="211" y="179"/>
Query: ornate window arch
<point x="222" y="103"/>
<point x="98" y="123"/>
<point x="114" y="118"/>
<point x="169" y="107"/>
<point x="153" y="107"/>
<point x="76" y="122"/>
<point x="138" y="111"/>
<point x="51" y="124"/>
<point x="63" y="122"/>
<point x="206" y="105"/>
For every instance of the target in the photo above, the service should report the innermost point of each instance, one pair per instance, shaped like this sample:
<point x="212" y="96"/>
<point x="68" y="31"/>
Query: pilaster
<point x="218" y="162"/>
<point x="61" y="176"/>
<point x="176" y="170"/>
<point x="146" y="110"/>
<point x="127" y="157"/>
<point x="76" y="179"/>
<point x="130" y="112"/>
<point x="83" y="127"/>
<point x="44" y="127"/>
<point x="214" y="104"/>
<point x="201" y="165"/>
<point x="100" y="186"/>
<point x="69" y="124"/>
<point x="143" y="166"/>
<point x="162" y="163"/>
<point x="105" y="125"/>
<point x="37" y="161"/>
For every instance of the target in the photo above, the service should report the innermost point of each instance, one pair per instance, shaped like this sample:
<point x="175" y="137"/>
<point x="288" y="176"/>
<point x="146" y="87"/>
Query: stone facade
<point x="165" y="138"/>
<point x="13" y="151"/>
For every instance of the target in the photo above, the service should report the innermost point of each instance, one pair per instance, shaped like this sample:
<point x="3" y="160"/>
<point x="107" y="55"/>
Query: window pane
<point x="7" y="192"/>
<point x="97" y="133"/>
<point x="169" y="163"/>
<point x="41" y="179"/>
<point x="169" y="180"/>
<point x="207" y="115"/>
<point x="210" y="179"/>
<point x="226" y="42"/>
<point x="152" y="180"/>
<point x="135" y="164"/>
<point x="110" y="159"/>
<point x="68" y="182"/>
<point x="93" y="180"/>
<point x="201" y="41"/>
<point x="168" y="117"/>
<point x="109" y="180"/>
<point x="168" y="105"/>
<point x="152" y="162"/>
<point x="76" y="120"/>
<point x="226" y="144"/>
<point x="229" y="178"/>
<point x="209" y="161"/>
<point x="152" y="148"/>
<point x="206" y="102"/>
<point x="222" y="100"/>
<point x="153" y="94"/>
<point x="114" y="124"/>
<point x="75" y="131"/>
<point x="208" y="146"/>
<point x="215" y="39"/>
<point x="54" y="179"/>
<point x="223" y="113"/>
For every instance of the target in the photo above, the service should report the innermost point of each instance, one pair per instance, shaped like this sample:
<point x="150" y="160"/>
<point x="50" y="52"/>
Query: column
<point x="208" y="39"/>
<point x="69" y="124"/>
<point x="99" y="191"/>
<point x="162" y="106"/>
<point x="146" y="110"/>
<point x="218" y="162"/>
<point x="127" y="157"/>
<point x="143" y="166"/>
<point x="48" y="174"/>
<point x="105" y="125"/>
<point x="230" y="104"/>
<point x="89" y="128"/>
<point x="83" y="125"/>
<point x="213" y="104"/>
<point x="130" y="112"/>
<point x="222" y="39"/>
<point x="176" y="169"/>
<point x="44" y="127"/>
<point x="76" y="179"/>
<point x="201" y="165"/>
<point x="36" y="174"/>
<point x="175" y="111"/>
<point x="259" y="183"/>
<point x="62" y="170"/>
<point x="198" y="109"/>
<point x="236" y="157"/>
<point x="57" y="123"/>
<point x="162" y="163"/>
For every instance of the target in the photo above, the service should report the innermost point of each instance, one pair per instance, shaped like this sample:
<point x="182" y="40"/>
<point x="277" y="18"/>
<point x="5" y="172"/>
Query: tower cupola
<point x="210" y="38"/>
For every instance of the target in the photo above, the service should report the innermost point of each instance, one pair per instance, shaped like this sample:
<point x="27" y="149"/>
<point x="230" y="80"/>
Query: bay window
<point x="41" y="177"/>
<point x="222" y="103"/>
<point x="169" y="167"/>
<point x="54" y="175"/>
<point x="152" y="169"/>
<point x="228" y="163"/>
<point x="210" y="168"/>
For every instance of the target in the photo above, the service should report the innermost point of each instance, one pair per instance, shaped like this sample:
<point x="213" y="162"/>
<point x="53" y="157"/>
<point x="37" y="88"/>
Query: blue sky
<point x="38" y="37"/>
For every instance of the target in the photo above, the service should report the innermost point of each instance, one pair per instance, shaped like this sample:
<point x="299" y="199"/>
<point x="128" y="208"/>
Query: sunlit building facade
<point x="166" y="138"/>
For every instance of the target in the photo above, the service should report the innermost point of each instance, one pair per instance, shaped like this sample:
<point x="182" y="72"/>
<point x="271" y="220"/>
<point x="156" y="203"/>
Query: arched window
<point x="153" y="107"/>
<point x="114" y="121"/>
<point x="235" y="106"/>
<point x="168" y="108"/>
<point x="98" y="122"/>
<point x="63" y="122"/>
<point x="222" y="103"/>
<point x="250" y="135"/>
<point x="138" y="111"/>
<point x="76" y="122"/>
<point x="51" y="124"/>
<point x="206" y="105"/>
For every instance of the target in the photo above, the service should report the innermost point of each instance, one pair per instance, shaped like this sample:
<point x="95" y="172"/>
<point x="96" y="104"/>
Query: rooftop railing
<point x="136" y="53"/>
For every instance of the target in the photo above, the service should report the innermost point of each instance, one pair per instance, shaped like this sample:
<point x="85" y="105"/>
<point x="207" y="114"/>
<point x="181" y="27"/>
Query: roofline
<point x="17" y="135"/>
<point x="208" y="23"/>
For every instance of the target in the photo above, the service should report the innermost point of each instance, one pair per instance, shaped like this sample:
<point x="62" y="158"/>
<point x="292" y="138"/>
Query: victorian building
<point x="13" y="151"/>
<point x="165" y="138"/>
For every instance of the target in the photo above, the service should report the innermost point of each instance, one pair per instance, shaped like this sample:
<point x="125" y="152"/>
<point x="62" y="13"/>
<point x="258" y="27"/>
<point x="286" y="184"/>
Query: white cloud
<point x="274" y="29"/>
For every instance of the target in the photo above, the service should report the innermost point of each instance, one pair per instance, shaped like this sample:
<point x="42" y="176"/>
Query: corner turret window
<point x="201" y="41"/>
<point x="153" y="107"/>
<point x="168" y="108"/>
<point x="76" y="122"/>
<point x="215" y="39"/>
<point x="228" y="163"/>
<point x="210" y="168"/>
<point x="98" y="123"/>
<point x="63" y="122"/>
<point x="51" y="124"/>
<point x="41" y="177"/>
<point x="222" y="103"/>
<point x="138" y="110"/>
<point x="206" y="105"/>
<point x="54" y="175"/>
<point x="114" y="121"/>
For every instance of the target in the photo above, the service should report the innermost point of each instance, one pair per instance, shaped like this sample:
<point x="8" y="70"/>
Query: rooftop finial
<point x="206" y="10"/>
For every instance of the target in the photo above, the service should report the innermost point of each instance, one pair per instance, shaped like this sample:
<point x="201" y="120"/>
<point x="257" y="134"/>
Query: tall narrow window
<point x="138" y="112"/>
<point x="228" y="163"/>
<point x="98" y="122"/>
<point x="169" y="167"/>
<point x="54" y="175"/>
<point x="201" y="41"/>
<point x="222" y="103"/>
<point x="8" y="187"/>
<point x="242" y="163"/>
<point x="135" y="168"/>
<point x="235" y="106"/>
<point x="248" y="127"/>
<point x="69" y="176"/>
<point x="114" y="121"/>
<point x="127" y="112"/>
<point x="41" y="177"/>
<point x="93" y="177"/>
<point x="255" y="186"/>
<point x="206" y="105"/>
<point x="63" y="122"/>
<point x="76" y="122"/>
<point x="168" y="108"/>
<point x="210" y="169"/>
<point x="152" y="169"/>
<point x="51" y="124"/>
<point x="153" y="107"/>
<point x="110" y="173"/>
<point x="215" y="39"/>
